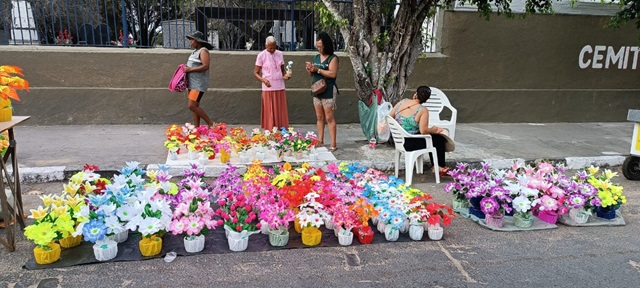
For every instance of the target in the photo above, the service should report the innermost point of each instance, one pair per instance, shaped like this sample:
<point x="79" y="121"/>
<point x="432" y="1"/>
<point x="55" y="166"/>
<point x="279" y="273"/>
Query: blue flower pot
<point x="476" y="212"/>
<point x="475" y="202"/>
<point x="606" y="213"/>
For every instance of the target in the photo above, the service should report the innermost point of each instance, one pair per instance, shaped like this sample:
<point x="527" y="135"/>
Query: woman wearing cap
<point x="414" y="118"/>
<point x="197" y="70"/>
<point x="269" y="70"/>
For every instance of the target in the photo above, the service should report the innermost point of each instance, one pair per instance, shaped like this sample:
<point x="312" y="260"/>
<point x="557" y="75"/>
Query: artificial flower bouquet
<point x="193" y="215"/>
<point x="10" y="81"/>
<point x="609" y="196"/>
<point x="236" y="211"/>
<point x="469" y="186"/>
<point x="311" y="217"/>
<point x="149" y="215"/>
<point x="51" y="223"/>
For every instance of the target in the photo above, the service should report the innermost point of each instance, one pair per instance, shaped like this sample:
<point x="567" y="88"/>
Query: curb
<point x="63" y="173"/>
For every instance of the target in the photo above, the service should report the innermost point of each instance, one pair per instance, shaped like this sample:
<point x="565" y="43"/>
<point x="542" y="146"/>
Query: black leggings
<point x="412" y="144"/>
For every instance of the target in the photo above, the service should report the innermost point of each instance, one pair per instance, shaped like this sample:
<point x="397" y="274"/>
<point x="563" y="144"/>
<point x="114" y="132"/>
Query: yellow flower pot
<point x="6" y="114"/>
<point x="296" y="225"/>
<point x="224" y="156"/>
<point x="47" y="256"/>
<point x="70" y="241"/>
<point x="311" y="236"/>
<point x="150" y="246"/>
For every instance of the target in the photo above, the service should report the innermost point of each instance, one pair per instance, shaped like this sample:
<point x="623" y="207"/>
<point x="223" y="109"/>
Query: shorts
<point x="326" y="103"/>
<point x="195" y="95"/>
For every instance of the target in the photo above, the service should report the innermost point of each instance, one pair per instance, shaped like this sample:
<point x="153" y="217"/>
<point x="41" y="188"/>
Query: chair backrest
<point x="101" y="34"/>
<point x="397" y="133"/>
<point x="436" y="103"/>
<point x="85" y="34"/>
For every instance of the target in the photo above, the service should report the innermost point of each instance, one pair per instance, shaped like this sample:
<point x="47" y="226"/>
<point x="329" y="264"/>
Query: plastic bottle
<point x="372" y="142"/>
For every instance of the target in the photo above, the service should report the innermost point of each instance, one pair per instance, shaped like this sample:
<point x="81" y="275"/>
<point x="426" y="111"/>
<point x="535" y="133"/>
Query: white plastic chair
<point x="411" y="157"/>
<point x="436" y="104"/>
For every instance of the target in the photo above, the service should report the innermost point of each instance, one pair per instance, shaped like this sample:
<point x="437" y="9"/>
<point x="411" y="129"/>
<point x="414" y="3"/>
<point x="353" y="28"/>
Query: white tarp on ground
<point x="323" y="156"/>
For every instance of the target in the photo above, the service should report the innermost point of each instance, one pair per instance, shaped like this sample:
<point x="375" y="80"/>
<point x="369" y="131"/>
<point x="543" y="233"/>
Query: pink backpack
<point x="179" y="80"/>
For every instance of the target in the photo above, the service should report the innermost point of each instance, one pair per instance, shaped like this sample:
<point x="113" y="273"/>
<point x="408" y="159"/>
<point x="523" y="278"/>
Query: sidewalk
<point x="48" y="153"/>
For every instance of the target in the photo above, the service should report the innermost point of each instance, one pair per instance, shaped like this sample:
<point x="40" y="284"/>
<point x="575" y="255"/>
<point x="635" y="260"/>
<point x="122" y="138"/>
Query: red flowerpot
<point x="365" y="235"/>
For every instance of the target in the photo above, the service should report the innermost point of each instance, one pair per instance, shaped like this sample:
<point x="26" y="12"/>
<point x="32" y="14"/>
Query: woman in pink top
<point x="270" y="72"/>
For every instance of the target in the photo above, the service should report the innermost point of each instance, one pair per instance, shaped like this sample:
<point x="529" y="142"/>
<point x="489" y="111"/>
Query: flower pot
<point x="435" y="232"/>
<point x="495" y="220"/>
<point x="476" y="212"/>
<point x="606" y="213"/>
<point x="460" y="204"/>
<point x="374" y="220"/>
<point x="345" y="237"/>
<point x="70" y="241"/>
<point x="381" y="226"/>
<point x="298" y="155"/>
<point x="548" y="216"/>
<point x="391" y="233"/>
<point x="6" y="112"/>
<point x="173" y="155"/>
<point x="194" y="244"/>
<point x="105" y="250"/>
<point x="238" y="245"/>
<point x="278" y="238"/>
<point x="296" y="225"/>
<point x="328" y="222"/>
<point x="150" y="246"/>
<point x="203" y="160"/>
<point x="47" y="256"/>
<point x="120" y="236"/>
<point x="245" y="158"/>
<point x="416" y="231"/>
<point x="405" y="226"/>
<point x="523" y="220"/>
<point x="224" y="156"/>
<point x="365" y="235"/>
<point x="192" y="155"/>
<point x="260" y="155"/>
<point x="238" y="241"/>
<point x="579" y="215"/>
<point x="475" y="202"/>
<point x="311" y="236"/>
<point x="264" y="227"/>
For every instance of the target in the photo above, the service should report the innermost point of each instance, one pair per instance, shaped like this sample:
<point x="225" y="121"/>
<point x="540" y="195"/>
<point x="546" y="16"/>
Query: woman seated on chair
<point x="415" y="120"/>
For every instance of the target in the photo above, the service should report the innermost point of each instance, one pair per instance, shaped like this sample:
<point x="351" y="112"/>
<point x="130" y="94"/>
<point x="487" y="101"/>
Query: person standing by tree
<point x="269" y="70"/>
<point x="325" y="65"/>
<point x="197" y="70"/>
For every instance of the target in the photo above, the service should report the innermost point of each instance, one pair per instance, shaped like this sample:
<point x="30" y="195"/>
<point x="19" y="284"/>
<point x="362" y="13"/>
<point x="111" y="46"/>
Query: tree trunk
<point x="388" y="69"/>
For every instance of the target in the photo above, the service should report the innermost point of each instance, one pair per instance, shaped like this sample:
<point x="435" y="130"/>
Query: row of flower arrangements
<point x="341" y="197"/>
<point x="222" y="140"/>
<point x="542" y="189"/>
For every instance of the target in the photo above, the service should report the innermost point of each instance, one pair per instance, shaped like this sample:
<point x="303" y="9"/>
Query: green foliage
<point x="326" y="21"/>
<point x="382" y="40"/>
<point x="631" y="11"/>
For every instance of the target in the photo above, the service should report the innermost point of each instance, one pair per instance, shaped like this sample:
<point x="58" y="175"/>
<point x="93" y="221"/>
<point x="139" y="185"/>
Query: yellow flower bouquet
<point x="610" y="196"/>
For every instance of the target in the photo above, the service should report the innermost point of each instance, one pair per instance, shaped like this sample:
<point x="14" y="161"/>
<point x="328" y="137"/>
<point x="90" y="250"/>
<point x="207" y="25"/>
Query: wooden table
<point x="13" y="183"/>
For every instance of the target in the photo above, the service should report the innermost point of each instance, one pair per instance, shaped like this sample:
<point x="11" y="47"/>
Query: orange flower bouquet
<point x="10" y="82"/>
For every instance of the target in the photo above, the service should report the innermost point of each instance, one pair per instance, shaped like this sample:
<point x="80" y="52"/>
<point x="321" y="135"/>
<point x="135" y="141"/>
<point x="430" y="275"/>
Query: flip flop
<point x="444" y="171"/>
<point x="333" y="149"/>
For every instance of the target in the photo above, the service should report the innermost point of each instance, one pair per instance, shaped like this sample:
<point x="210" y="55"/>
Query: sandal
<point x="333" y="149"/>
<point x="444" y="171"/>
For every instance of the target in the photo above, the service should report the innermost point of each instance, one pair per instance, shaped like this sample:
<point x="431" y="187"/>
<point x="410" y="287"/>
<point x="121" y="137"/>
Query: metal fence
<point x="228" y="24"/>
